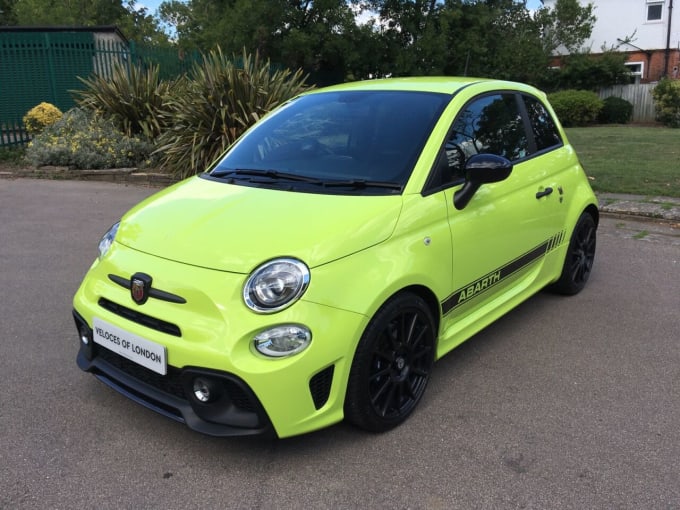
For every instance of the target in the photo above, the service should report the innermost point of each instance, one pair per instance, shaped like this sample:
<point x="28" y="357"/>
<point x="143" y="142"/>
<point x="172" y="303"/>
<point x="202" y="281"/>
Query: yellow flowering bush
<point x="84" y="140"/>
<point x="41" y="116"/>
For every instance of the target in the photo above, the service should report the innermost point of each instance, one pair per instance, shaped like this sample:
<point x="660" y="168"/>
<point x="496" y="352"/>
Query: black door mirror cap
<point x="487" y="168"/>
<point x="481" y="169"/>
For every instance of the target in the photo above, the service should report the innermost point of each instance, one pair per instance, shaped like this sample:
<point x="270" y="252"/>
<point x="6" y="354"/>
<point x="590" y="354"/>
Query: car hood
<point x="236" y="228"/>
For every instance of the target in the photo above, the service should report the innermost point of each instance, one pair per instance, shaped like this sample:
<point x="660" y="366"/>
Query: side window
<point x="488" y="125"/>
<point x="542" y="124"/>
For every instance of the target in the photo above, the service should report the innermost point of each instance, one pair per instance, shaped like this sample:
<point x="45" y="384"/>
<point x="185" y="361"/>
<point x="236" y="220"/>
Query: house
<point x="648" y="31"/>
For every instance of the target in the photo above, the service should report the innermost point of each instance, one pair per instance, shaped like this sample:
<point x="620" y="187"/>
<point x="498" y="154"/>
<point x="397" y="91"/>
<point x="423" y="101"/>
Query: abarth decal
<point x="474" y="289"/>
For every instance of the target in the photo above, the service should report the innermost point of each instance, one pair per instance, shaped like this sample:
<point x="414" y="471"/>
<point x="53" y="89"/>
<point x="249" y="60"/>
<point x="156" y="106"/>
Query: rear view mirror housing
<point x="481" y="169"/>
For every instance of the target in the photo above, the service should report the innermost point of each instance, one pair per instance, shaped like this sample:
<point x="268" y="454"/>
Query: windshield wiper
<point x="361" y="184"/>
<point x="270" y="174"/>
<point x="254" y="175"/>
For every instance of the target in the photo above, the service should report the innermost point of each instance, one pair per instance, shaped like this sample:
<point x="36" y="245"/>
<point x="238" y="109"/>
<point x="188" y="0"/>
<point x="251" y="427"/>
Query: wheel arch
<point x="426" y="295"/>
<point x="594" y="212"/>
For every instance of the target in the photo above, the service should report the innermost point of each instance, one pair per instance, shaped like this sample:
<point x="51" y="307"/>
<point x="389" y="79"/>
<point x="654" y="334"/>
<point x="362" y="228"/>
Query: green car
<point x="347" y="241"/>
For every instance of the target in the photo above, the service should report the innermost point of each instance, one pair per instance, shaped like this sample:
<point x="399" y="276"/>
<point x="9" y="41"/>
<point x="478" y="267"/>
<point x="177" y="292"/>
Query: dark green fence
<point x="45" y="66"/>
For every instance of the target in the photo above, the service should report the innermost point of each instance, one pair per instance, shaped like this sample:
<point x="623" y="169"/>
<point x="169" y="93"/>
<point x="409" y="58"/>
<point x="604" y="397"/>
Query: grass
<point x="640" y="160"/>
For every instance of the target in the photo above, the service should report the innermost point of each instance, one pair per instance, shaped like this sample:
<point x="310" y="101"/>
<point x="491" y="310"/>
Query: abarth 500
<point x="316" y="271"/>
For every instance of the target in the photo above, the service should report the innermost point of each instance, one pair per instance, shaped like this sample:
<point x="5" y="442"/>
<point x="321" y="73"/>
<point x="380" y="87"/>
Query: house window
<point x="636" y="70"/>
<point x="654" y="11"/>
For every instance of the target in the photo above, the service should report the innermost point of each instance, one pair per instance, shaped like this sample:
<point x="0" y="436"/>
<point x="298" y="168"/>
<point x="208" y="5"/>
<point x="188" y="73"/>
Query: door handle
<point x="544" y="193"/>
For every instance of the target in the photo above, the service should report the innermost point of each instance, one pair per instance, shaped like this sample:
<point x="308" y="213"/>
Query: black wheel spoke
<point x="388" y="400"/>
<point x="420" y="353"/>
<point x="412" y="389"/>
<point x="410" y="330"/>
<point x="418" y="339"/>
<point x="387" y="357"/>
<point x="380" y="373"/>
<point x="381" y="390"/>
<point x="576" y="268"/>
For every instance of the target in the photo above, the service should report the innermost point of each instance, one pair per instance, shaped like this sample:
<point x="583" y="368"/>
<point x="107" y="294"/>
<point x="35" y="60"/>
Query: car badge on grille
<point x="140" y="285"/>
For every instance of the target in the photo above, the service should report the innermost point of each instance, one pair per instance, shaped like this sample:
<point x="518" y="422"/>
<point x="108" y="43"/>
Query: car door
<point x="501" y="237"/>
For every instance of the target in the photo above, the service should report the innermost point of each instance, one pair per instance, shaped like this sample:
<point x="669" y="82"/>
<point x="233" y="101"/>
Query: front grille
<point x="140" y="318"/>
<point x="169" y="383"/>
<point x="320" y="386"/>
<point x="239" y="397"/>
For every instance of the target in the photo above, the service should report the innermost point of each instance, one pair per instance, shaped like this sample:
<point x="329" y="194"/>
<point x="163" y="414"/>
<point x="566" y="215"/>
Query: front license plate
<point x="135" y="348"/>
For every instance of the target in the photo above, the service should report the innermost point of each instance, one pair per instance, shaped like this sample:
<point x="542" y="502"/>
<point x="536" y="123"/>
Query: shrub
<point x="12" y="156"/>
<point x="84" y="140"/>
<point x="220" y="101"/>
<point x="616" y="110"/>
<point x="667" y="102"/>
<point x="132" y="97"/>
<point x="576" y="107"/>
<point x="584" y="71"/>
<point x="41" y="116"/>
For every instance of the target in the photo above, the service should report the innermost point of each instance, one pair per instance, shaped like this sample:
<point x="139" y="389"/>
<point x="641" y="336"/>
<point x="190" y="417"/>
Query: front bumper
<point x="211" y="336"/>
<point x="237" y="412"/>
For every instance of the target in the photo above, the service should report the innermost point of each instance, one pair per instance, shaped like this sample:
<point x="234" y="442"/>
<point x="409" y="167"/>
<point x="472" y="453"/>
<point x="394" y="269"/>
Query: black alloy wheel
<point x="392" y="364"/>
<point x="578" y="263"/>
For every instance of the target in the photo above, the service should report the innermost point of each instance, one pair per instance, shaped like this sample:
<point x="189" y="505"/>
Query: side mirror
<point x="481" y="169"/>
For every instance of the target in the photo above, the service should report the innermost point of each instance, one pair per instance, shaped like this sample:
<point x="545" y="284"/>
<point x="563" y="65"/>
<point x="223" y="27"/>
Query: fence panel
<point x="639" y="94"/>
<point x="45" y="66"/>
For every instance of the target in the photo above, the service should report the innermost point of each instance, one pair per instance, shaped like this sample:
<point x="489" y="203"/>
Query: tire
<point x="578" y="263"/>
<point x="392" y="364"/>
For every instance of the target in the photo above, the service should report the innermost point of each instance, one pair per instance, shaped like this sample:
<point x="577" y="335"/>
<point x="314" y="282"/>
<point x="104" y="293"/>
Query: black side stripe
<point x="486" y="282"/>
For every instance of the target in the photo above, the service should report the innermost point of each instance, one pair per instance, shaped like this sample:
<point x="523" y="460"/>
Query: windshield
<point x="336" y="142"/>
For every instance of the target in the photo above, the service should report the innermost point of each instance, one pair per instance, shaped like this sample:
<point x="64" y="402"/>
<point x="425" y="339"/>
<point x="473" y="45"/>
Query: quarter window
<point x="542" y="124"/>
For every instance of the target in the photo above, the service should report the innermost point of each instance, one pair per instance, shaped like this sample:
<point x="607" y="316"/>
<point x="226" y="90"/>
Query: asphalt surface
<point x="563" y="403"/>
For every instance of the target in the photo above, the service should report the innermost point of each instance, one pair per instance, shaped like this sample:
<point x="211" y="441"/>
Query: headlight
<point x="107" y="240"/>
<point x="276" y="285"/>
<point x="284" y="340"/>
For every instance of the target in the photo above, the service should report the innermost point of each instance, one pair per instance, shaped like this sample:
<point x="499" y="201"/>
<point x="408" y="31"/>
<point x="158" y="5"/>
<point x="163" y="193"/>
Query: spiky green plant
<point x="132" y="97"/>
<point x="220" y="102"/>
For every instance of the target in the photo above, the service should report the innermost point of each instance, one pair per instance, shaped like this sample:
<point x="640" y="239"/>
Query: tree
<point x="496" y="38"/>
<point x="568" y="25"/>
<point x="136" y="23"/>
<point x="7" y="15"/>
<point x="68" y="12"/>
<point x="412" y="35"/>
<point x="142" y="27"/>
<point x="584" y="71"/>
<point x="314" y="35"/>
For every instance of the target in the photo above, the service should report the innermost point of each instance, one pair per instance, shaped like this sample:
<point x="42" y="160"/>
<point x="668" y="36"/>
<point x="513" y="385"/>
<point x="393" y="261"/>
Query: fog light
<point x="205" y="390"/>
<point x="84" y="335"/>
<point x="283" y="340"/>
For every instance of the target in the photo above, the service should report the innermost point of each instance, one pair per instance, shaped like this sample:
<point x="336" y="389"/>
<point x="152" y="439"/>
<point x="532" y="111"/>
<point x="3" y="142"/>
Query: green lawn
<point x="630" y="159"/>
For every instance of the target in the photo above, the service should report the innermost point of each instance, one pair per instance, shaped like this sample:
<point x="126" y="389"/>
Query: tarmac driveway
<point x="564" y="403"/>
